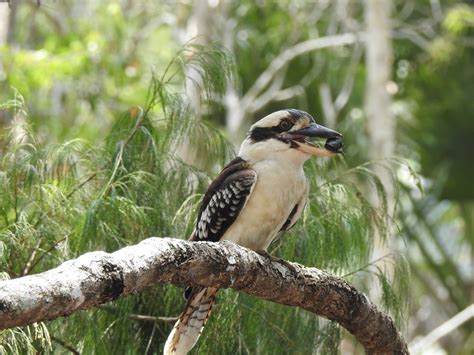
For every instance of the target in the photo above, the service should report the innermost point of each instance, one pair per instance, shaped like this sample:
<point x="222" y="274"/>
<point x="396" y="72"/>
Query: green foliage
<point x="77" y="176"/>
<point x="77" y="73"/>
<point x="266" y="29"/>
<point x="435" y="131"/>
<point x="61" y="200"/>
<point x="442" y="128"/>
<point x="440" y="246"/>
<point x="28" y="340"/>
<point x="459" y="20"/>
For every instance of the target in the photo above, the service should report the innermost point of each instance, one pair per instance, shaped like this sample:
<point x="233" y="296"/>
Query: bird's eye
<point x="285" y="125"/>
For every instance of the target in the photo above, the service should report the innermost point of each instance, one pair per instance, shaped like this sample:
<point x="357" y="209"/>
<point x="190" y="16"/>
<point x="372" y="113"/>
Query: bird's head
<point x="287" y="133"/>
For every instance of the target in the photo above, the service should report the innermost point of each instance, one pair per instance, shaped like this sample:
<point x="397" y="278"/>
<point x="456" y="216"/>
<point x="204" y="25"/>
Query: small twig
<point x="444" y="329"/>
<point x="150" y="340"/>
<point x="30" y="264"/>
<point x="140" y="317"/>
<point x="144" y="318"/>
<point x="259" y="314"/>
<point x="372" y="263"/>
<point x="81" y="184"/>
<point x="55" y="19"/>
<point x="31" y="257"/>
<point x="30" y="267"/>
<point x="70" y="193"/>
<point x="137" y="111"/>
<point x="266" y="97"/>
<point x="65" y="345"/>
<point x="412" y="36"/>
<point x="327" y="104"/>
<point x="139" y="115"/>
<point x="289" y="92"/>
<point x="343" y="96"/>
<point x="293" y="52"/>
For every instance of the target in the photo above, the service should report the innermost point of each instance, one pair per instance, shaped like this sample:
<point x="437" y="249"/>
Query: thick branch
<point x="98" y="277"/>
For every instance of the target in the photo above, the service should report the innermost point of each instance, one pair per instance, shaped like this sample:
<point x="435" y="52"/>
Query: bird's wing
<point x="222" y="203"/>
<point x="296" y="212"/>
<point x="224" y="200"/>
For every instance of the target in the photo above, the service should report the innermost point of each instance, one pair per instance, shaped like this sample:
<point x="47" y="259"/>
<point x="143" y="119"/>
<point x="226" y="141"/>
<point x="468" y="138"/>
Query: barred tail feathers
<point x="189" y="326"/>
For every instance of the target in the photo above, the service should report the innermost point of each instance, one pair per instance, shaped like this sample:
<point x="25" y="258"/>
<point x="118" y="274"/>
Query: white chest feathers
<point x="279" y="188"/>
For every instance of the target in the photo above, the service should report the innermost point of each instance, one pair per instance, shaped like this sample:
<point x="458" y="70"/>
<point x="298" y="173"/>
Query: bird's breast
<point x="277" y="190"/>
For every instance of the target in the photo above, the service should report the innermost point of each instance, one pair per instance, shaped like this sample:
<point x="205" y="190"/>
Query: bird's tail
<point x="188" y="328"/>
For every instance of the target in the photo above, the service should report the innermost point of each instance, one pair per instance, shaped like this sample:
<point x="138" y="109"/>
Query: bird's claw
<point x="272" y="258"/>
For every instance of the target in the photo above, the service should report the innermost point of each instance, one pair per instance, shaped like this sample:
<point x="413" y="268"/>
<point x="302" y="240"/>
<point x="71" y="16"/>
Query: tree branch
<point x="447" y="327"/>
<point x="98" y="277"/>
<point x="291" y="53"/>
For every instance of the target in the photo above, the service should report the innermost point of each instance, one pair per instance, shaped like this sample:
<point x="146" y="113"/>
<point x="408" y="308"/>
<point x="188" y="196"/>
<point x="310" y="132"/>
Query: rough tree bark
<point x="98" y="277"/>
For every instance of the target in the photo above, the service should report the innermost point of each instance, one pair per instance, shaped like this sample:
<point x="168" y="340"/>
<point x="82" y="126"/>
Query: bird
<point x="257" y="196"/>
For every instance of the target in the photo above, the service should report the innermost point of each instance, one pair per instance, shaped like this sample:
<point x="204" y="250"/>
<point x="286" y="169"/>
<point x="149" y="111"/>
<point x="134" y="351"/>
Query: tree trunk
<point x="4" y="23"/>
<point x="378" y="101"/>
<point x="194" y="29"/>
<point x="379" y="60"/>
<point x="11" y="34"/>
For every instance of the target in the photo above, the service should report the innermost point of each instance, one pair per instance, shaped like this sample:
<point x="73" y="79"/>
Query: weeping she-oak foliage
<point x="58" y="201"/>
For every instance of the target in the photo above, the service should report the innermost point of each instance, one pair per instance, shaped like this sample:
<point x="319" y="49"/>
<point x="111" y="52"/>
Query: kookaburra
<point x="257" y="196"/>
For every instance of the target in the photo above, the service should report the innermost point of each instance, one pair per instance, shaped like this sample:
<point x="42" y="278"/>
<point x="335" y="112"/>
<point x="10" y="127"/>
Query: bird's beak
<point x="317" y="131"/>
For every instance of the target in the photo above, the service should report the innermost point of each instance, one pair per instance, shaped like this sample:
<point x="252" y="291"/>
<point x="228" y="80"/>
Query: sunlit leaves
<point x="459" y="20"/>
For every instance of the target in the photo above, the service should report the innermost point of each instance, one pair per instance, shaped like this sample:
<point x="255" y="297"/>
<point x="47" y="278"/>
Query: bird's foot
<point x="272" y="258"/>
<point x="267" y="255"/>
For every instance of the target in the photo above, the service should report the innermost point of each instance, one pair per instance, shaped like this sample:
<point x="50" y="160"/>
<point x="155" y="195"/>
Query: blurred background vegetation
<point x="83" y="168"/>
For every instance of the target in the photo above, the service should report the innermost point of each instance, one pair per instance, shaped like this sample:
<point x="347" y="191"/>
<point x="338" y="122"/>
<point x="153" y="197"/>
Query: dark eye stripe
<point x="259" y="134"/>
